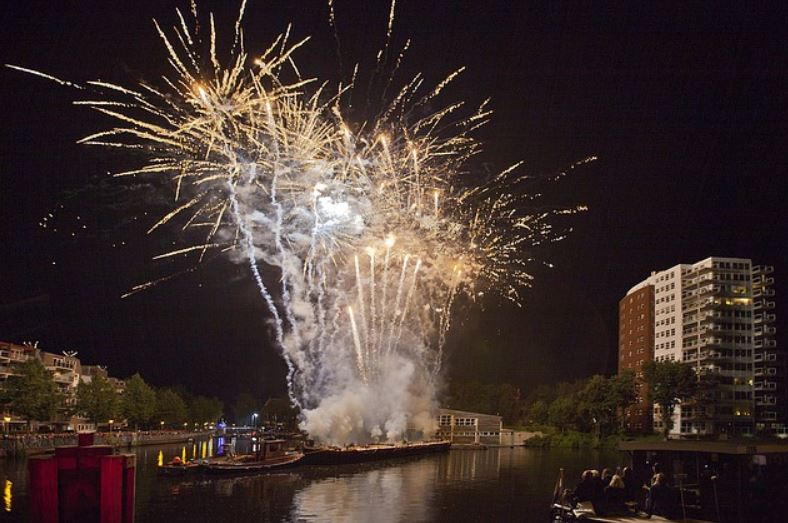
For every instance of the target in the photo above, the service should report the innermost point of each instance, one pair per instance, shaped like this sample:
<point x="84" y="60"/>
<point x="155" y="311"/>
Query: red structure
<point x="86" y="483"/>
<point x="635" y="347"/>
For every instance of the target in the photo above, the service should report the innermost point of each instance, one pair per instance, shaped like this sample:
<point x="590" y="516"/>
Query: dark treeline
<point x="33" y="395"/>
<point x="594" y="405"/>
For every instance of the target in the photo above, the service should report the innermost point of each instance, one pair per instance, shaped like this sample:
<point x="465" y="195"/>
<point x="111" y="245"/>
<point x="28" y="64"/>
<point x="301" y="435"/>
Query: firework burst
<point x="375" y="228"/>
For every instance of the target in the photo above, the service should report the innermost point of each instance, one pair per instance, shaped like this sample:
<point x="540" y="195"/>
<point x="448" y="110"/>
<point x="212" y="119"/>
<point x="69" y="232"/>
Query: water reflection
<point x="402" y="492"/>
<point x="469" y="465"/>
<point x="8" y="495"/>
<point x="491" y="485"/>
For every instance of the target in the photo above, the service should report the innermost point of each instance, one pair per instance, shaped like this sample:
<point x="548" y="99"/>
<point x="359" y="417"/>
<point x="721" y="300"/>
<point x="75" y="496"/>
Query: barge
<point x="372" y="452"/>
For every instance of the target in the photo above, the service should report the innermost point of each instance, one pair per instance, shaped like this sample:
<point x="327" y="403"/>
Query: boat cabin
<point x="270" y="448"/>
<point x="717" y="480"/>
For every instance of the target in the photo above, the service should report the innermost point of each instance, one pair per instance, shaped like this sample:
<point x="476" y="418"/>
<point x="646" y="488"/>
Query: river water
<point x="497" y="484"/>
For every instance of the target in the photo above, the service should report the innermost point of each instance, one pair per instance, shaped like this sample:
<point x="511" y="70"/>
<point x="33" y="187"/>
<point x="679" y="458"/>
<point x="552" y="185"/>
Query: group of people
<point x="619" y="491"/>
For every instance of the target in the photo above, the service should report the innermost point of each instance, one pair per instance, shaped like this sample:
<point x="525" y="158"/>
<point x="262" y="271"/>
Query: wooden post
<point x="129" y="475"/>
<point x="111" y="500"/>
<point x="43" y="489"/>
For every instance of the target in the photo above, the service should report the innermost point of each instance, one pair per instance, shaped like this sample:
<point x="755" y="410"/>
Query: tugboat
<point x="371" y="452"/>
<point x="272" y="454"/>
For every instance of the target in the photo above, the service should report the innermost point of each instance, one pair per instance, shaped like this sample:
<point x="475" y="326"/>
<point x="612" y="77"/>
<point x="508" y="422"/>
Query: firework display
<point x="373" y="229"/>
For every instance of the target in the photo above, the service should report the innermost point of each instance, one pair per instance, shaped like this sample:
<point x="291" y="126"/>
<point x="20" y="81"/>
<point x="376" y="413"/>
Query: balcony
<point x="709" y="289"/>
<point x="67" y="379"/>
<point x="762" y="269"/>
<point x="760" y="292"/>
<point x="762" y="281"/>
<point x="763" y="318"/>
<point x="762" y="305"/>
<point x="712" y="355"/>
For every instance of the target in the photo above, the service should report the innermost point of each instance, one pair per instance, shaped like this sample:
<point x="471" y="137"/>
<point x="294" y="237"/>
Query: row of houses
<point x="67" y="373"/>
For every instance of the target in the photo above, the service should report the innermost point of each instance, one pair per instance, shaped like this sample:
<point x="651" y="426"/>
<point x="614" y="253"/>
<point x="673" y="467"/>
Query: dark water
<point x="506" y="484"/>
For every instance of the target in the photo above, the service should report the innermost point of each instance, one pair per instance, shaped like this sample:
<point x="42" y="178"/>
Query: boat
<point x="584" y="512"/>
<point x="180" y="469"/>
<point x="271" y="455"/>
<point x="372" y="452"/>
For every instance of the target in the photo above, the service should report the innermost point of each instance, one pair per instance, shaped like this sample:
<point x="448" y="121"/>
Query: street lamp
<point x="110" y="425"/>
<point x="254" y="419"/>
<point x="161" y="425"/>
<point x="6" y="421"/>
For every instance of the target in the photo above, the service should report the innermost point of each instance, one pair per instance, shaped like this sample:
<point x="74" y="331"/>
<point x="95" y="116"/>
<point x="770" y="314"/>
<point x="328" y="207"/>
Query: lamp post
<point x="6" y="421"/>
<point x="110" y="426"/>
<point x="254" y="419"/>
<point x="161" y="425"/>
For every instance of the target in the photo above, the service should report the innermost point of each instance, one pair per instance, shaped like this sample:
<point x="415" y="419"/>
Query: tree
<point x="602" y="401"/>
<point x="562" y="413"/>
<point x="537" y="412"/>
<point x="33" y="394"/>
<point x="596" y="404"/>
<point x="280" y="410"/>
<point x="97" y="399"/>
<point x="669" y="383"/>
<point x="245" y="406"/>
<point x="138" y="402"/>
<point x="624" y="387"/>
<point x="203" y="409"/>
<point x="170" y="408"/>
<point x="507" y="403"/>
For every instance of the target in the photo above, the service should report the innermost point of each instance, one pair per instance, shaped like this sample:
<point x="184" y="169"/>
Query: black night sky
<point x="683" y="103"/>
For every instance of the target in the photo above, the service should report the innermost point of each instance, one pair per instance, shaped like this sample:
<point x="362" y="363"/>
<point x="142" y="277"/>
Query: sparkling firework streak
<point x="374" y="228"/>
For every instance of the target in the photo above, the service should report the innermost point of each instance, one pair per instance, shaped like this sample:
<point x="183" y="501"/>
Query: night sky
<point x="685" y="106"/>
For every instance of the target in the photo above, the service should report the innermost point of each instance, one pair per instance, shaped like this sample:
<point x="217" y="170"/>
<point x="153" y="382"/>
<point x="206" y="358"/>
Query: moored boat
<point x="179" y="469"/>
<point x="252" y="466"/>
<point x="373" y="452"/>
<point x="271" y="455"/>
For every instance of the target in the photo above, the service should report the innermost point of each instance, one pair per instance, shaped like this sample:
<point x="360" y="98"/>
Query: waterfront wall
<point x="32" y="444"/>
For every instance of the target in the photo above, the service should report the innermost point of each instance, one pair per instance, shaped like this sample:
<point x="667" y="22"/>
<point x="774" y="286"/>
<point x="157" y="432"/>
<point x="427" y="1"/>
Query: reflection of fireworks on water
<point x="373" y="227"/>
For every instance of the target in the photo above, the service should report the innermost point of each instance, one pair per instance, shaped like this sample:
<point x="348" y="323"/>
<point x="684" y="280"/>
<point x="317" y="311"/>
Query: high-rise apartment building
<point x="716" y="315"/>
<point x="770" y="388"/>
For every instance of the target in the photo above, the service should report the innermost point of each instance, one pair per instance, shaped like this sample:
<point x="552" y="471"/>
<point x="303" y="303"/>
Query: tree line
<point x="598" y="404"/>
<point x="33" y="395"/>
<point x="592" y="405"/>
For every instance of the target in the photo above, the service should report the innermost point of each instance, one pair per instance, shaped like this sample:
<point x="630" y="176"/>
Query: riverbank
<point x="573" y="440"/>
<point x="22" y="445"/>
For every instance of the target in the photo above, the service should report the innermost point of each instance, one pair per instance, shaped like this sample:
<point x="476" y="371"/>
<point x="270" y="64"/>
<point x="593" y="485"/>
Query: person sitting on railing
<point x="615" y="496"/>
<point x="630" y="484"/>
<point x="584" y="491"/>
<point x="661" y="498"/>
